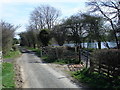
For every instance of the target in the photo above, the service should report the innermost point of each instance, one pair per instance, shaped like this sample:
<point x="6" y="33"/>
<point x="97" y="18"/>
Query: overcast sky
<point x="17" y="12"/>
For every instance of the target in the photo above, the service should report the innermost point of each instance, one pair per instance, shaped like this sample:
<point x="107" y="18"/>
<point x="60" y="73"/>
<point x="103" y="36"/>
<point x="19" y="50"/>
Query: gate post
<point x="79" y="53"/>
<point x="87" y="59"/>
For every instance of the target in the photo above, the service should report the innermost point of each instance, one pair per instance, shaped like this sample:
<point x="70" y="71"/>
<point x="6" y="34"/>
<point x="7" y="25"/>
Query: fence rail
<point x="85" y="57"/>
<point x="110" y="71"/>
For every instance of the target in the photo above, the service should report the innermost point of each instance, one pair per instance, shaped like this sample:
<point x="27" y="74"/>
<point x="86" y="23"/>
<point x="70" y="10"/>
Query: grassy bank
<point x="0" y="76"/>
<point x="95" y="80"/>
<point x="30" y="48"/>
<point x="11" y="54"/>
<point x="48" y="59"/>
<point x="36" y="50"/>
<point x="8" y="75"/>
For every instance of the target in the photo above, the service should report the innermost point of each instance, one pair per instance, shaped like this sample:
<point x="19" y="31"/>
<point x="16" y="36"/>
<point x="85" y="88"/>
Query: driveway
<point x="40" y="75"/>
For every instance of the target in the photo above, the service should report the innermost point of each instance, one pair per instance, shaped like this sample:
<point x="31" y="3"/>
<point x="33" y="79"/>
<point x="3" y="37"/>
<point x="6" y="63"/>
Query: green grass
<point x="32" y="49"/>
<point x="12" y="54"/>
<point x="56" y="61"/>
<point x="0" y="76"/>
<point x="48" y="59"/>
<point x="94" y="80"/>
<point x="44" y="57"/>
<point x="60" y="62"/>
<point x="8" y="75"/>
<point x="65" y="61"/>
<point x="37" y="50"/>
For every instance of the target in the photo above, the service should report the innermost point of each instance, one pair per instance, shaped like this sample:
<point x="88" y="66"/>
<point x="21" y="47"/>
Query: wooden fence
<point x="45" y="51"/>
<point x="52" y="51"/>
<point x="111" y="70"/>
<point x="105" y="69"/>
<point x="85" y="57"/>
<point x="108" y="66"/>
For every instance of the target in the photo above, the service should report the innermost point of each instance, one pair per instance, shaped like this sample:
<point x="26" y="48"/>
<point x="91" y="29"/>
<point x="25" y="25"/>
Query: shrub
<point x="110" y="57"/>
<point x="15" y="48"/>
<point x="106" y="60"/>
<point x="60" y="53"/>
<point x="69" y="56"/>
<point x="70" y="48"/>
<point x="89" y="49"/>
<point x="95" y="80"/>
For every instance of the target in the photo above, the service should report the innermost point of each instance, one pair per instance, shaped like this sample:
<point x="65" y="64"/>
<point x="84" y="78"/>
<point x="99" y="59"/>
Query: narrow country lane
<point x="39" y="75"/>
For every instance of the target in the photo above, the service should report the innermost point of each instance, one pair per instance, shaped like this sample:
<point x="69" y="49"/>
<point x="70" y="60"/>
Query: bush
<point x="90" y="49"/>
<point x="70" y="56"/>
<point x="60" y="54"/>
<point x="15" y="48"/>
<point x="67" y="61"/>
<point x="106" y="62"/>
<point x="109" y="57"/>
<point x="12" y="54"/>
<point x="70" y="48"/>
<point x="48" y="59"/>
<point x="38" y="52"/>
<point x="94" y="80"/>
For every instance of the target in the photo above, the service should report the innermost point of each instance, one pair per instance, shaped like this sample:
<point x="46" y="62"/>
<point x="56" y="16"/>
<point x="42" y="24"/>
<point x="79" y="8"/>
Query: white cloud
<point x="74" y="10"/>
<point x="17" y="11"/>
<point x="36" y="1"/>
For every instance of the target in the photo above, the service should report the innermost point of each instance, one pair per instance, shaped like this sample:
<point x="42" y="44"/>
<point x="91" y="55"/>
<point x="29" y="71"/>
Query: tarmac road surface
<point x="39" y="75"/>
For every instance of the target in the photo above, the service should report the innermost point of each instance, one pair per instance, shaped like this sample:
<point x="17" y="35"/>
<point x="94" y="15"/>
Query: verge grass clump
<point x="11" y="54"/>
<point x="8" y="75"/>
<point x="94" y="80"/>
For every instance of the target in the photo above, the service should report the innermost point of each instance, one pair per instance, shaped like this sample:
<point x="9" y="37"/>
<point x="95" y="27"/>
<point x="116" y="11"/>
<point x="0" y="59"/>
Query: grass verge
<point x="0" y="76"/>
<point x="8" y="75"/>
<point x="12" y="54"/>
<point x="32" y="49"/>
<point x="36" y="50"/>
<point x="95" y="80"/>
<point x="48" y="59"/>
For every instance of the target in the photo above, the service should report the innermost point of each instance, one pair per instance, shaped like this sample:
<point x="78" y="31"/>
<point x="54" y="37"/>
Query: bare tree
<point x="74" y="26"/>
<point x="44" y="17"/>
<point x="60" y="33"/>
<point x="33" y="36"/>
<point x="29" y="38"/>
<point x="94" y="28"/>
<point x="7" y="36"/>
<point x="110" y="9"/>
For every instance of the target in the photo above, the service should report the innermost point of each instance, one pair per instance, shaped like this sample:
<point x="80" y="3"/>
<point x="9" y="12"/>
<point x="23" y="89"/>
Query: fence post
<point x="87" y="59"/>
<point x="108" y="70"/>
<point x="56" y="52"/>
<point x="79" y="53"/>
<point x="91" y="66"/>
<point x="41" y="51"/>
<point x="75" y="49"/>
<point x="99" y="67"/>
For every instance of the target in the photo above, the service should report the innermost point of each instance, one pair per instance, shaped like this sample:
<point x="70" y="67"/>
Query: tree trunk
<point x="107" y="45"/>
<point x="99" y="44"/>
<point x="29" y="45"/>
<point x="34" y="46"/>
<point x="117" y="42"/>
